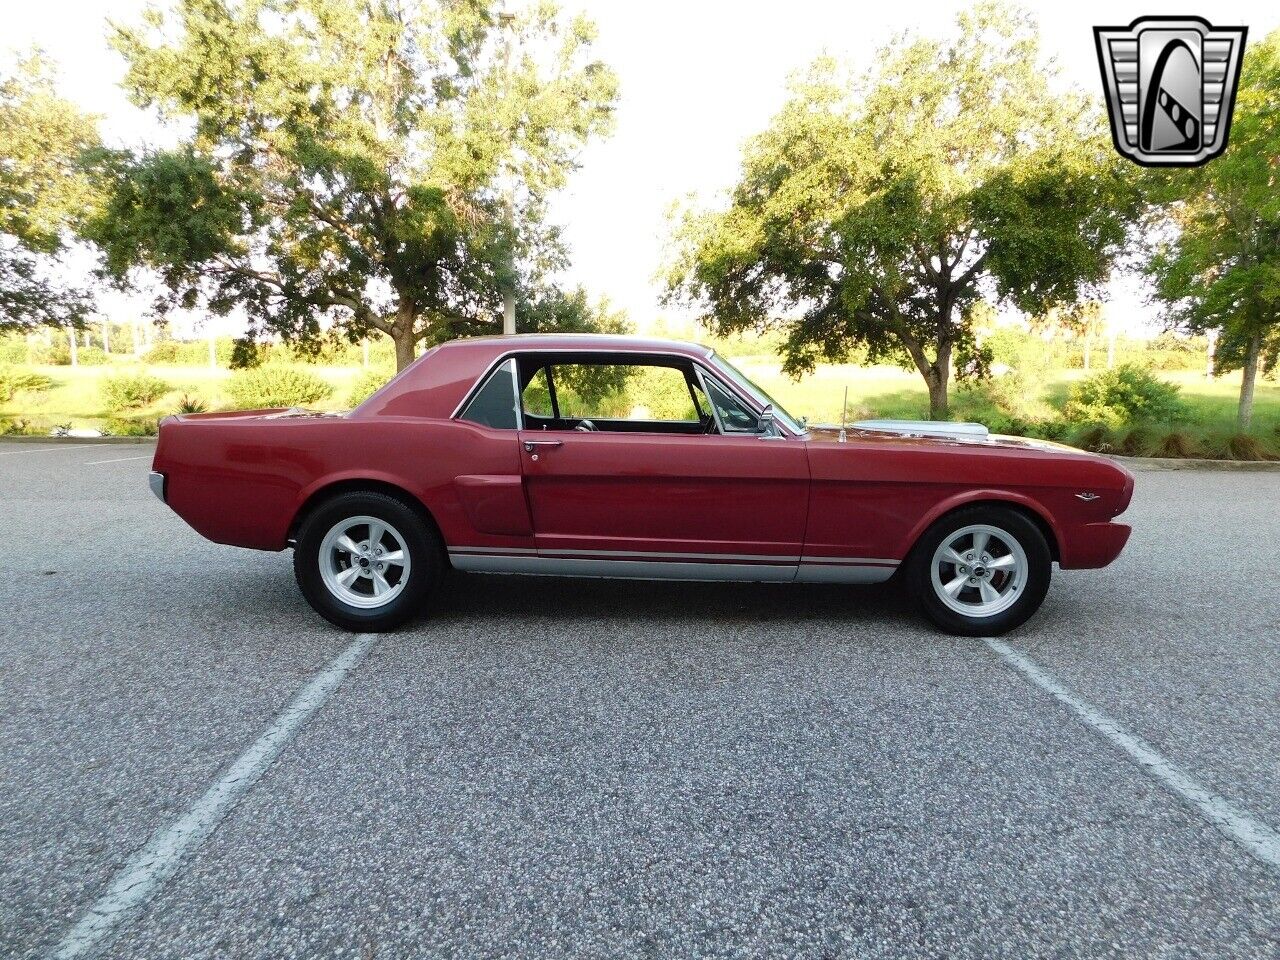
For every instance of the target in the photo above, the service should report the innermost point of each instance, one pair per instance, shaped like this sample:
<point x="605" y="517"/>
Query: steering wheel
<point x="586" y="426"/>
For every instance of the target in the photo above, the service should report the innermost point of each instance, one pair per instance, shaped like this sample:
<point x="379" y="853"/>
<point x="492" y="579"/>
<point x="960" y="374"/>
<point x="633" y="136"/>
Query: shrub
<point x="17" y="427"/>
<point x="276" y="387"/>
<point x="132" y="392"/>
<point x="55" y="354"/>
<point x="189" y="353"/>
<point x="1096" y="438"/>
<point x="339" y="352"/>
<point x="14" y="381"/>
<point x="1127" y="394"/>
<point x="13" y="350"/>
<point x="166" y="351"/>
<point x="132" y="427"/>
<point x="189" y="403"/>
<point x="1244" y="446"/>
<point x="1009" y="391"/>
<point x="1056" y="430"/>
<point x="1135" y="442"/>
<point x="366" y="384"/>
<point x="1007" y="404"/>
<point x="1178" y="444"/>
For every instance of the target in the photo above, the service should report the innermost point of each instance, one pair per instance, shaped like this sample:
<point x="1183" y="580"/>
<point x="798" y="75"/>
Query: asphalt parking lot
<point x="588" y="768"/>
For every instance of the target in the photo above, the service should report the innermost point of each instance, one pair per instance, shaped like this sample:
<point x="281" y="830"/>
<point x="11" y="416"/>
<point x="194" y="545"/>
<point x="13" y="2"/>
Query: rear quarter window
<point x="494" y="404"/>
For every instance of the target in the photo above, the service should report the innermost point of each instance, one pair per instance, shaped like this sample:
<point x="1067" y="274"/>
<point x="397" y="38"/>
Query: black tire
<point x="1029" y="594"/>
<point x="426" y="565"/>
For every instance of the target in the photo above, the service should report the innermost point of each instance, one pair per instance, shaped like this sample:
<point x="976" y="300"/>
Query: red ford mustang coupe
<point x="626" y="457"/>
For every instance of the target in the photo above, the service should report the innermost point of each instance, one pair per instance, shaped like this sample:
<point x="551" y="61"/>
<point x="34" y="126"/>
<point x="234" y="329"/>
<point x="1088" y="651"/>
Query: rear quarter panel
<point x="242" y="481"/>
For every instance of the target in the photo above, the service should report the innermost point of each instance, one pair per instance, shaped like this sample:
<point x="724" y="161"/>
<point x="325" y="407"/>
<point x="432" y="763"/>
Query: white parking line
<point x="140" y="878"/>
<point x="91" y="463"/>
<point x="1256" y="837"/>
<point x="68" y="446"/>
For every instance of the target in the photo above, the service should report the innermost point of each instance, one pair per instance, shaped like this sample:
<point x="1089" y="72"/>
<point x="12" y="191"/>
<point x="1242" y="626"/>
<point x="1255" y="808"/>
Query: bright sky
<point x="698" y="77"/>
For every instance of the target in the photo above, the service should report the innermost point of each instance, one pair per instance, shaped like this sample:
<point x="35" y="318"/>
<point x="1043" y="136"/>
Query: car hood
<point x="831" y="434"/>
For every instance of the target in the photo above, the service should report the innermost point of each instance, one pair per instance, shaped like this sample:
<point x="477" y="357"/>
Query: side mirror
<point x="765" y="423"/>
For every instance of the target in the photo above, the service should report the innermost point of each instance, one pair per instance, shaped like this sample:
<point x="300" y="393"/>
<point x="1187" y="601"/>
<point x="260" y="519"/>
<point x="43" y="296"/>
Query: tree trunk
<point x="71" y="339"/>
<point x="936" y="378"/>
<point x="1244" y="414"/>
<point x="406" y="347"/>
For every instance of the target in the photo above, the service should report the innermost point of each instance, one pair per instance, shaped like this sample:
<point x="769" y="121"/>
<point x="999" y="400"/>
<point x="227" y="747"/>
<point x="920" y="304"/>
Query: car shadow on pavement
<point x="473" y="594"/>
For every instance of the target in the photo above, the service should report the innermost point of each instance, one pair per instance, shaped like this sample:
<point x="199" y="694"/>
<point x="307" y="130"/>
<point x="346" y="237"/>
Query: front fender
<point x="992" y="495"/>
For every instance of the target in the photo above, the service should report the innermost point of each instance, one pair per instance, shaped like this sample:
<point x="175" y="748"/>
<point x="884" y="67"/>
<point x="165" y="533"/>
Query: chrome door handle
<point x="531" y="445"/>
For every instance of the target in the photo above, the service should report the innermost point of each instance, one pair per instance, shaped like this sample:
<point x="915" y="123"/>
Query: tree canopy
<point x="44" y="189"/>
<point x="385" y="165"/>
<point x="1216" y="262"/>
<point x="876" y="213"/>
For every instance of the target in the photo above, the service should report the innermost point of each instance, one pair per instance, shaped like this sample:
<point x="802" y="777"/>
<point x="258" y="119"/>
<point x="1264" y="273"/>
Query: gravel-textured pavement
<point x="588" y="768"/>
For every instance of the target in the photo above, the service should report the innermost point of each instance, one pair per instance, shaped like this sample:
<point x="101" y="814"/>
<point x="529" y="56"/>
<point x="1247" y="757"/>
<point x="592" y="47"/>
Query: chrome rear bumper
<point x="156" y="482"/>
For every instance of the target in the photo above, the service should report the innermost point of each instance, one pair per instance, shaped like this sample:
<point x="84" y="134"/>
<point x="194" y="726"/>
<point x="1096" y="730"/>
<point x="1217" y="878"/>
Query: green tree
<point x="44" y="188"/>
<point x="385" y="164"/>
<point x="879" y="213"/>
<point x="1217" y="264"/>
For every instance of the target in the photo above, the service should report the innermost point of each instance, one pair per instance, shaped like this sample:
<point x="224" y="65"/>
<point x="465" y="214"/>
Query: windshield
<point x="756" y="393"/>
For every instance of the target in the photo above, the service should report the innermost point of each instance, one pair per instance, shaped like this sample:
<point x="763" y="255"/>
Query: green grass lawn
<point x="75" y="395"/>
<point x="890" y="392"/>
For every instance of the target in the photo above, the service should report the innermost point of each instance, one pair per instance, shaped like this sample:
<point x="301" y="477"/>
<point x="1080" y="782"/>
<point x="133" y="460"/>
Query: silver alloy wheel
<point x="364" y="562"/>
<point x="979" y="570"/>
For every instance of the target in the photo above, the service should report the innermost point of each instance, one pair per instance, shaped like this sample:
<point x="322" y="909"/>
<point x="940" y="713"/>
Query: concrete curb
<point x="73" y="441"/>
<point x="1175" y="463"/>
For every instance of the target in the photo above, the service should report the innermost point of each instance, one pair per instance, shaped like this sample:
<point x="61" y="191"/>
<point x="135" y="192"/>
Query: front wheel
<point x="981" y="571"/>
<point x="366" y="561"/>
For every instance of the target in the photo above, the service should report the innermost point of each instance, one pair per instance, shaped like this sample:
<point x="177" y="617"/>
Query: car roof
<point x="434" y="384"/>
<point x="622" y="343"/>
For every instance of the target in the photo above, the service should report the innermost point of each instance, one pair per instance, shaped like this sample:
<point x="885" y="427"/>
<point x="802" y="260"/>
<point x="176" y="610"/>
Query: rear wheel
<point x="367" y="561"/>
<point x="981" y="571"/>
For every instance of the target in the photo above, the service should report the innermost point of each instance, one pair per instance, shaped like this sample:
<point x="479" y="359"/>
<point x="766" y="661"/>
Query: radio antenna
<point x="844" y="412"/>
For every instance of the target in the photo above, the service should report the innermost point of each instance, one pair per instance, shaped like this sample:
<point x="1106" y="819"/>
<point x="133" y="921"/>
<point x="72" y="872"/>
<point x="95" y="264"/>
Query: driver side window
<point x="581" y="392"/>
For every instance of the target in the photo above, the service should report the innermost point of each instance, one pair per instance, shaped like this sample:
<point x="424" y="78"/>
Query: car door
<point x="490" y="495"/>
<point x="657" y="497"/>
